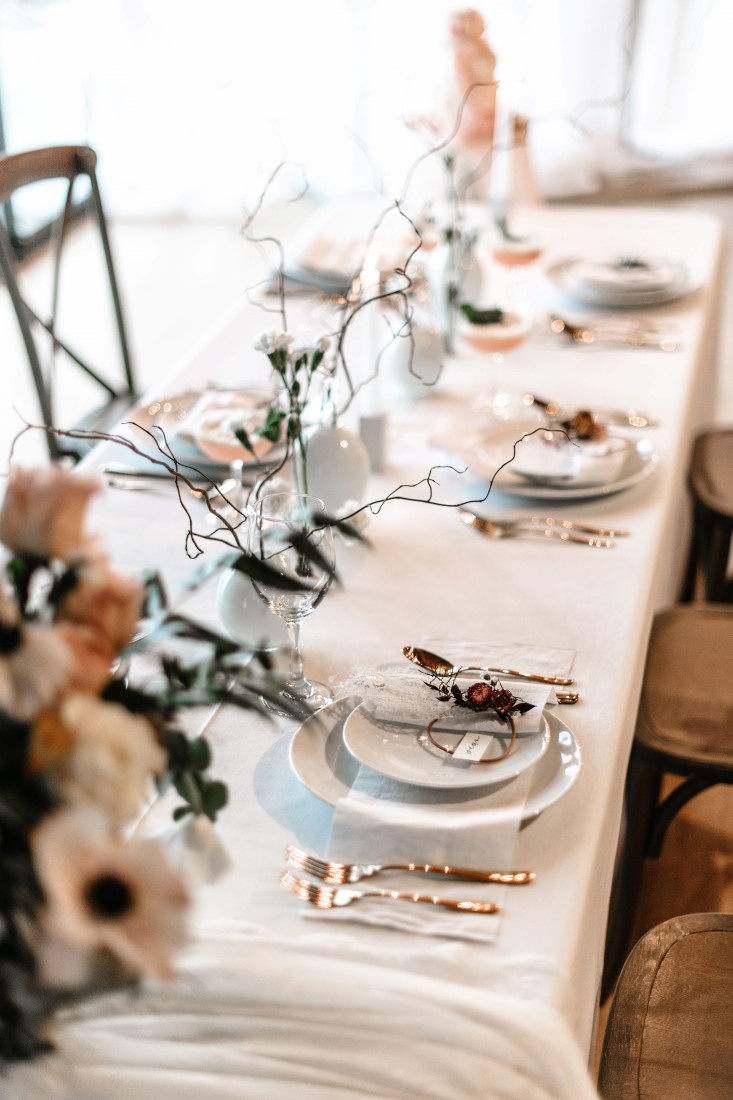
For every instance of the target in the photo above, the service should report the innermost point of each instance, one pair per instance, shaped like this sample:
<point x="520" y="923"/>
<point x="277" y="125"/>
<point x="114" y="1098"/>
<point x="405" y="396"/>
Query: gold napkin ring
<point x="492" y="760"/>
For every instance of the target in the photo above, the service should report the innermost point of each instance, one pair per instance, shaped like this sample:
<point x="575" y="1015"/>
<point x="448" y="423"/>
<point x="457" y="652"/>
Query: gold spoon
<point x="433" y="663"/>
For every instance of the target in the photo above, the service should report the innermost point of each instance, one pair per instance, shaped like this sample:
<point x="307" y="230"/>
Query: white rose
<point x="114" y="757"/>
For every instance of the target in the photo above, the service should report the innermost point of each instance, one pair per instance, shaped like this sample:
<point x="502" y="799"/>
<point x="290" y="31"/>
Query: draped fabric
<point x="190" y="106"/>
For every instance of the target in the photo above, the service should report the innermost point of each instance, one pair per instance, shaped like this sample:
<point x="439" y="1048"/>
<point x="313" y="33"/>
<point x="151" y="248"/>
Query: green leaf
<point x="260" y="571"/>
<point x="305" y="547"/>
<point x="199" y="754"/>
<point x="482" y="316"/>
<point x="177" y="746"/>
<point x="214" y="798"/>
<point x="199" y="576"/>
<point x="156" y="597"/>
<point x="346" y="528"/>
<point x="316" y="360"/>
<point x="241" y="434"/>
<point x="271" y="427"/>
<point x="181" y="812"/>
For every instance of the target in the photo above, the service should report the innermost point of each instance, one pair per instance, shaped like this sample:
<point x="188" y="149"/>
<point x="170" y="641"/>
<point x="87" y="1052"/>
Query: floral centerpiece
<point x="82" y="751"/>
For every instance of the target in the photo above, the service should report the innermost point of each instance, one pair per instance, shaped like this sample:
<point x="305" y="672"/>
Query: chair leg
<point x="716" y="566"/>
<point x="643" y="782"/>
<point x="668" y="809"/>
<point x="689" y="583"/>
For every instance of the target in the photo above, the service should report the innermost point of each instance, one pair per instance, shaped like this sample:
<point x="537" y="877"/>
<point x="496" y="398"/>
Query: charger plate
<point x="562" y="277"/>
<point x="487" y="449"/>
<point x="324" y="765"/>
<point x="170" y="413"/>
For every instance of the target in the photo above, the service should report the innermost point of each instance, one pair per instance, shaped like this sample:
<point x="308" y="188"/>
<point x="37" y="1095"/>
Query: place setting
<point x="624" y="280"/>
<point x="198" y="429"/>
<point x="432" y="769"/>
<point x="555" y="457"/>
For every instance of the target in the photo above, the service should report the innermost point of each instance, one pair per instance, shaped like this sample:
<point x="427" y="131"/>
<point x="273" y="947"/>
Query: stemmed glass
<point x="500" y="329"/>
<point x="287" y="535"/>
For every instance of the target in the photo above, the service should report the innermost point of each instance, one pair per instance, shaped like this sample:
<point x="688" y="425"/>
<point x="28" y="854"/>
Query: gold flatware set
<point x="339" y="874"/>
<point x="598" y="538"/>
<point x="333" y="890"/>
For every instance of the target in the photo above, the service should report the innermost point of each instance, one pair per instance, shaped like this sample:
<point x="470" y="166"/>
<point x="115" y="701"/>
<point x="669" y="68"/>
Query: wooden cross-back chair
<point x="67" y="162"/>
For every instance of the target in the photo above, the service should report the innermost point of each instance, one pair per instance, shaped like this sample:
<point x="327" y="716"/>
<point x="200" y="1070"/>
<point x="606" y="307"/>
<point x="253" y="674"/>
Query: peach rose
<point x="105" y="602"/>
<point x="90" y="658"/>
<point x="43" y="512"/>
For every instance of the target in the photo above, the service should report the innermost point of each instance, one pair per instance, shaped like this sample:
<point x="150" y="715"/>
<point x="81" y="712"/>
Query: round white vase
<point x="245" y="616"/>
<point x="412" y="366"/>
<point x="337" y="466"/>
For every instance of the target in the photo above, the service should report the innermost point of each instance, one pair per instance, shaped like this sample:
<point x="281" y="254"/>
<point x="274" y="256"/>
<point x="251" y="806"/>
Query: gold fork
<point x="501" y="531"/>
<point x="330" y="897"/>
<point x="336" y="874"/>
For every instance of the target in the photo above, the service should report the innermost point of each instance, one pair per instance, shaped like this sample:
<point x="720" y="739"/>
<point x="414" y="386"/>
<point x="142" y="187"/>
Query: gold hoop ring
<point x="449" y="752"/>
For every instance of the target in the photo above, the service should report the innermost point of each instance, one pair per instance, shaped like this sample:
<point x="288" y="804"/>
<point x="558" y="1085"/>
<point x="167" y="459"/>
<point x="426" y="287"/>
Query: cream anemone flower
<point x="102" y="892"/>
<point x="106" y="602"/>
<point x="113" y="758"/>
<point x="43" y="512"/>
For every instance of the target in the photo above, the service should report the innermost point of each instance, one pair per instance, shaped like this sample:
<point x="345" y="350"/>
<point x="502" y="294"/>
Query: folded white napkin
<point x="401" y="694"/>
<point x="582" y="462"/>
<point x="381" y="820"/>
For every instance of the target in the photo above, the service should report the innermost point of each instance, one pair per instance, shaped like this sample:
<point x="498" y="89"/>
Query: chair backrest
<point x="68" y="163"/>
<point x="669" y="1031"/>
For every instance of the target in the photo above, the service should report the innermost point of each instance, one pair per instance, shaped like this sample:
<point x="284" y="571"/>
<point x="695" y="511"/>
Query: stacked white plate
<point x="622" y="281"/>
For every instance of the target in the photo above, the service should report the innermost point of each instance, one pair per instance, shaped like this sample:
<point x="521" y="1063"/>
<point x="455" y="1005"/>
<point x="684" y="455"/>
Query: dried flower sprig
<point x="483" y="695"/>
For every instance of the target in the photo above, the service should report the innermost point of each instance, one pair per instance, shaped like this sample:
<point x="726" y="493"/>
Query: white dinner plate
<point x="170" y="412"/>
<point x="562" y="277"/>
<point x="405" y="753"/>
<point x="324" y="765"/>
<point x="486" y="450"/>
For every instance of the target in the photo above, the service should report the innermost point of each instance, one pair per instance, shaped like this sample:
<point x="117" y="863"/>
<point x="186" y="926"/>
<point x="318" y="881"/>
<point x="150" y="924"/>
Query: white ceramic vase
<point x="244" y="615"/>
<point x="337" y="466"/>
<point x="411" y="367"/>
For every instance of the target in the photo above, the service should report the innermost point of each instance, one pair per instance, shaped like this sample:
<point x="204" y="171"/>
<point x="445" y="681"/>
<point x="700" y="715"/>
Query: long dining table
<point x="428" y="575"/>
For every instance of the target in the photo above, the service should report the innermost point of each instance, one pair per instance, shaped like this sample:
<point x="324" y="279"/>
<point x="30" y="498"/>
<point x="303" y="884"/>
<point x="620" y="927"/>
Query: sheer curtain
<point x="191" y="105"/>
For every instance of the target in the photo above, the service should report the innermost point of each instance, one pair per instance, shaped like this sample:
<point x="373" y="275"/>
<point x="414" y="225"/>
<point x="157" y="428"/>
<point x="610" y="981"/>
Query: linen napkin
<point x="582" y="462"/>
<point x="381" y="821"/>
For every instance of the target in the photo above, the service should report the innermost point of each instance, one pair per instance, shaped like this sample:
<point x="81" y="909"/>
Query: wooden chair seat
<point x="711" y="485"/>
<point x="684" y="728"/>
<point x="671" y="1021"/>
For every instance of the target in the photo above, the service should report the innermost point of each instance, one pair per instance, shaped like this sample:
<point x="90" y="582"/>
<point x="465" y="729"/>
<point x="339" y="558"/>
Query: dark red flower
<point x="503" y="700"/>
<point x="480" y="696"/>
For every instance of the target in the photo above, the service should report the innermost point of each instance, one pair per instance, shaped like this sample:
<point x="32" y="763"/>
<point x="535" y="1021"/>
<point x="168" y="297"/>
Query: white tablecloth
<point x="429" y="574"/>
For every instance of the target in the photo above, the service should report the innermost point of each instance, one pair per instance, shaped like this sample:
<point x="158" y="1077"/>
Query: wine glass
<point x="496" y="329"/>
<point x="286" y="534"/>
